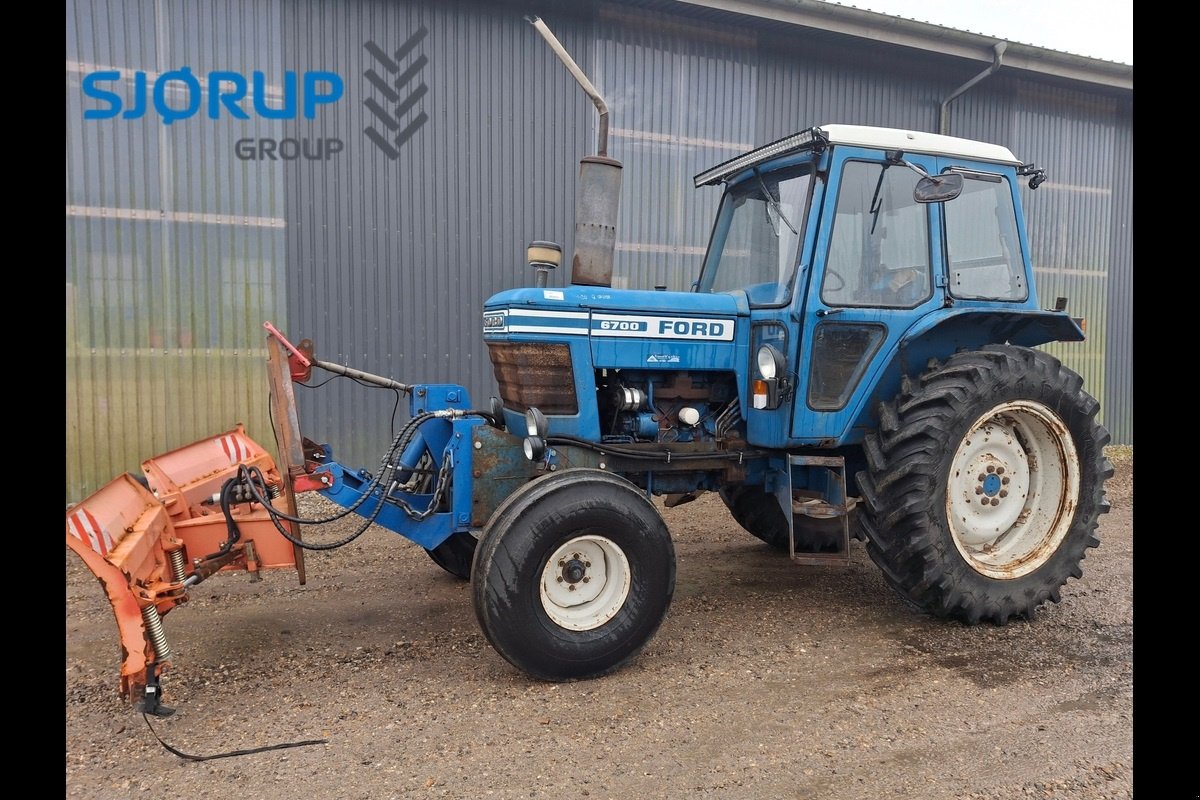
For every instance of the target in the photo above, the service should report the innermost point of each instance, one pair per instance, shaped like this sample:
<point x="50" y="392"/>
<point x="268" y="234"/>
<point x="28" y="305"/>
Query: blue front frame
<point x="442" y="438"/>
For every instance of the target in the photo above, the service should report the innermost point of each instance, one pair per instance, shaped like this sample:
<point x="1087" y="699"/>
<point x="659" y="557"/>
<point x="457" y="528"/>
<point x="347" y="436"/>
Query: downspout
<point x="944" y="114"/>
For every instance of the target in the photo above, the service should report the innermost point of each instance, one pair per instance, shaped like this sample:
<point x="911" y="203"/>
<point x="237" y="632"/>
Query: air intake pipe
<point x="598" y="192"/>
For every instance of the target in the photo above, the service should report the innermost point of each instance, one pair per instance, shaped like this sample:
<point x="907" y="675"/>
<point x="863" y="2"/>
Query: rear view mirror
<point x="938" y="188"/>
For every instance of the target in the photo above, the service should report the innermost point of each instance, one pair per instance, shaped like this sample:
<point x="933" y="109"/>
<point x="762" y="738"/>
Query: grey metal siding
<point x="390" y="261"/>
<point x="1118" y="354"/>
<point x="386" y="262"/>
<point x="175" y="249"/>
<point x="1073" y="218"/>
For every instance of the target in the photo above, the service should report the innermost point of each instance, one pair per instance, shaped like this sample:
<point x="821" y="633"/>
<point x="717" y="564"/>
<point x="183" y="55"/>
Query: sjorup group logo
<point x="392" y="90"/>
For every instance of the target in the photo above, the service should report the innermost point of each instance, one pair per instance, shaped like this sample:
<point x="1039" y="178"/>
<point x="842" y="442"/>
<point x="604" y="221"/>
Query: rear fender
<point x="941" y="334"/>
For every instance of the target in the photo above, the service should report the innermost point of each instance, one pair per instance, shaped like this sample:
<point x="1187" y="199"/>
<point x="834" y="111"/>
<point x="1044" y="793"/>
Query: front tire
<point x="985" y="480"/>
<point x="573" y="575"/>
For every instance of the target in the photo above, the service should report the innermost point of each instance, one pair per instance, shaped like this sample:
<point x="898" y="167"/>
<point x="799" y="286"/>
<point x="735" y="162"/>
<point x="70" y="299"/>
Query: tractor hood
<point x="626" y="328"/>
<point x="601" y="298"/>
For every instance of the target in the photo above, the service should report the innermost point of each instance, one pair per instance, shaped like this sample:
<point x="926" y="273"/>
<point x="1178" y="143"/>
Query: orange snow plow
<point x="150" y="538"/>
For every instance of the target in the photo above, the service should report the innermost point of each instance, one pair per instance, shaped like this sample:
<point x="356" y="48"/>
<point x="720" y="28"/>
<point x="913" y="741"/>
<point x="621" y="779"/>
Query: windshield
<point x="757" y="236"/>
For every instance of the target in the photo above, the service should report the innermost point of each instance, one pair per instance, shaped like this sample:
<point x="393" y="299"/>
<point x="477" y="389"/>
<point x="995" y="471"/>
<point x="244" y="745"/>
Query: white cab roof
<point x="917" y="142"/>
<point x="860" y="136"/>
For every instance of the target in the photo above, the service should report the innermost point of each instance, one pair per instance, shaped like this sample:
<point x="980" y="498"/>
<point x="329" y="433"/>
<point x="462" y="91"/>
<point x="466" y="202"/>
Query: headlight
<point x="535" y="423"/>
<point x="770" y="362"/>
<point x="497" y="407"/>
<point x="534" y="447"/>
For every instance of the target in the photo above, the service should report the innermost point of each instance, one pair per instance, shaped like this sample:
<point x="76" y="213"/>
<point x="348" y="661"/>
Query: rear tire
<point x="985" y="480"/>
<point x="760" y="515"/>
<point x="580" y="528"/>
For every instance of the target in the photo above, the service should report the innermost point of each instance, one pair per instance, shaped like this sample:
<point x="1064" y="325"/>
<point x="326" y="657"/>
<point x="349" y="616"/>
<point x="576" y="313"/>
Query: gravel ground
<point x="767" y="680"/>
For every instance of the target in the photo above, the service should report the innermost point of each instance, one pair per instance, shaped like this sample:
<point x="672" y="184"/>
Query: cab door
<point x="876" y="270"/>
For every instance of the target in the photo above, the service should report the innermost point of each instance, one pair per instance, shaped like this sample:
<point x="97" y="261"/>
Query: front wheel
<point x="984" y="483"/>
<point x="573" y="574"/>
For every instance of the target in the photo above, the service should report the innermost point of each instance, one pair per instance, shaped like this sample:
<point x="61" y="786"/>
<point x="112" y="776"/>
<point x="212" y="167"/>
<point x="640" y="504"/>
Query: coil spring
<point x="178" y="565"/>
<point x="275" y="490"/>
<point x="158" y="637"/>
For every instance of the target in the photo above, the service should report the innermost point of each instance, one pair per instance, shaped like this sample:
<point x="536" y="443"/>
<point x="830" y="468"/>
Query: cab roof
<point x="860" y="136"/>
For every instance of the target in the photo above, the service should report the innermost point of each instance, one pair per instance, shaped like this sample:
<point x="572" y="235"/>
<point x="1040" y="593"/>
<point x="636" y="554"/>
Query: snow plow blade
<point x="150" y="540"/>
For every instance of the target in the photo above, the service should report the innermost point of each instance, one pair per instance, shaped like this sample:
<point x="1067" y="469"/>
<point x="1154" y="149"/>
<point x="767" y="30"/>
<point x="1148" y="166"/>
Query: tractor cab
<point x="852" y="244"/>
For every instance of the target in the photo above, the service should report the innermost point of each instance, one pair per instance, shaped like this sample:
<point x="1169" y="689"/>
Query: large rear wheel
<point x="573" y="575"/>
<point x="985" y="480"/>
<point x="760" y="515"/>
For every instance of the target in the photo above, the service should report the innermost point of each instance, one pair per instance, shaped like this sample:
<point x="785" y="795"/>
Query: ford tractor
<point x="855" y="361"/>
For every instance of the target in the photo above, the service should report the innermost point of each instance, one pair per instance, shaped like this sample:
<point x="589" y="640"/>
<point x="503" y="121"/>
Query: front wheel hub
<point x="585" y="582"/>
<point x="573" y="571"/>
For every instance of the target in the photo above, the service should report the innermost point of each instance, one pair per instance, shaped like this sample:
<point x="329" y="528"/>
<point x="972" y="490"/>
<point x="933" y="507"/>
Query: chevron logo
<point x="393" y="81"/>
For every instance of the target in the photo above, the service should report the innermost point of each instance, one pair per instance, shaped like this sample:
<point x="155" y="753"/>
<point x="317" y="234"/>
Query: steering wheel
<point x="832" y="274"/>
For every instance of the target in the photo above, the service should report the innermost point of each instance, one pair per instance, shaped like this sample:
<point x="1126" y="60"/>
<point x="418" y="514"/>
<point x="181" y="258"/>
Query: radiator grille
<point x="535" y="375"/>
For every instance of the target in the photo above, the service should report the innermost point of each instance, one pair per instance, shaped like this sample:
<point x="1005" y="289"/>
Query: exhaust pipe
<point x="598" y="192"/>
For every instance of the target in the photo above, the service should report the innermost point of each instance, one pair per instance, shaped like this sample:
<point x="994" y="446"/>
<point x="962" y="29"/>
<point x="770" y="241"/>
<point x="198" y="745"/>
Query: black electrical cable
<point x="231" y="753"/>
<point x="643" y="455"/>
<point x="369" y="521"/>
<point x="374" y="483"/>
<point x="234" y="533"/>
<point x="395" y="405"/>
<point x="330" y="379"/>
<point x="491" y="418"/>
<point x="388" y="467"/>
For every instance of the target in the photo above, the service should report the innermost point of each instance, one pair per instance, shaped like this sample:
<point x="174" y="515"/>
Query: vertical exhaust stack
<point x="598" y="192"/>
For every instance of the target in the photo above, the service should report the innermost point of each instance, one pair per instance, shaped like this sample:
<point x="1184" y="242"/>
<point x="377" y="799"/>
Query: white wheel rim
<point x="585" y="583"/>
<point x="1013" y="489"/>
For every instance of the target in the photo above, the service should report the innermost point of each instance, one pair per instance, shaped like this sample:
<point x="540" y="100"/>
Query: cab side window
<point x="982" y="246"/>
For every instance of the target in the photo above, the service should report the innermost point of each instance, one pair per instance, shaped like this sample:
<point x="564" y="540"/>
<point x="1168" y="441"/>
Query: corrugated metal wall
<point x="177" y="250"/>
<point x="390" y="260"/>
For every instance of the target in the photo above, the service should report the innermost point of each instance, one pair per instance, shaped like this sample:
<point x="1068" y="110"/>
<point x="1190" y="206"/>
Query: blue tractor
<point x="855" y="361"/>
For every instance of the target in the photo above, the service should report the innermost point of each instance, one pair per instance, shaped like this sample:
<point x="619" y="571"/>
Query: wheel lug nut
<point x="981" y="477"/>
<point x="995" y="501"/>
<point x="991" y="469"/>
<point x="562" y="562"/>
<point x="586" y="579"/>
<point x="978" y="490"/>
<point x="559" y="579"/>
<point x="1004" y="493"/>
<point x="999" y="470"/>
<point x="570" y="587"/>
<point x="587" y="563"/>
<point x="575" y="556"/>
<point x="1004" y="481"/>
